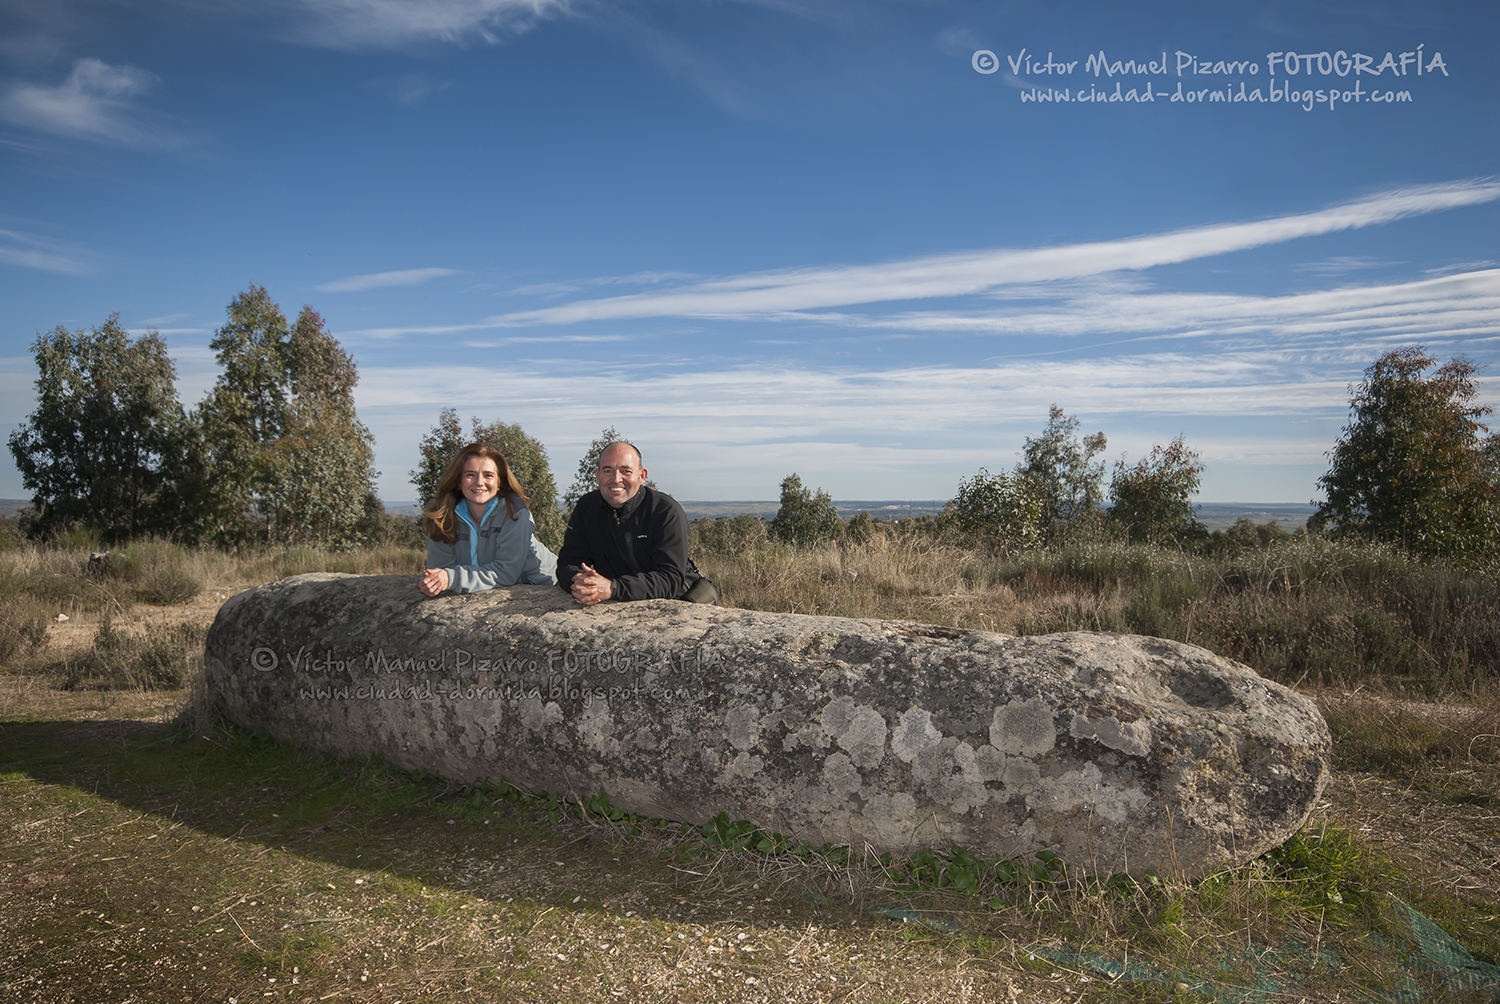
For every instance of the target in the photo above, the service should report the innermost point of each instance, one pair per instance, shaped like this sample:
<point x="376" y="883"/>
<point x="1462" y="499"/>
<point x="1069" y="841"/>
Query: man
<point x="627" y="541"/>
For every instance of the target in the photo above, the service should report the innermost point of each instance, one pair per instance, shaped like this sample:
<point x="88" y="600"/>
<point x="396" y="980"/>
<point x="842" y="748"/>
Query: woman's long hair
<point x="438" y="518"/>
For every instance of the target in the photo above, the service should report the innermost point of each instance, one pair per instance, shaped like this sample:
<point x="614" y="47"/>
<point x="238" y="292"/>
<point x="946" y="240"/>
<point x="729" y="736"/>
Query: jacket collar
<point x="629" y="507"/>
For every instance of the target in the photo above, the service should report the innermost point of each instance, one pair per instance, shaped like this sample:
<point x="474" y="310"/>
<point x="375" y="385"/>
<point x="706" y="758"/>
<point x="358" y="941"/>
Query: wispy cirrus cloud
<point x="410" y="89"/>
<point x="1465" y="305"/>
<point x="977" y="272"/>
<point x="30" y="251"/>
<point x="1441" y="308"/>
<point x="377" y="280"/>
<point x="578" y="285"/>
<point x="96" y="102"/>
<point x="378" y="24"/>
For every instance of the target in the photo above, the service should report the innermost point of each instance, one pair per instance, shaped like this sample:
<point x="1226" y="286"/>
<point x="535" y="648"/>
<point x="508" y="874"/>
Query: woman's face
<point x="481" y="480"/>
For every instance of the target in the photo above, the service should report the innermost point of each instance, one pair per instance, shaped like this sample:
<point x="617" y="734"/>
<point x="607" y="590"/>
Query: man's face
<point x="620" y="474"/>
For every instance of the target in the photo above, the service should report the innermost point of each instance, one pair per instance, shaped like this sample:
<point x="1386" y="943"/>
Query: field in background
<point x="174" y="862"/>
<point x="1213" y="515"/>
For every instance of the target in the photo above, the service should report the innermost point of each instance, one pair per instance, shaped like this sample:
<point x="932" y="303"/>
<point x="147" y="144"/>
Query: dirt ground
<point x="123" y="885"/>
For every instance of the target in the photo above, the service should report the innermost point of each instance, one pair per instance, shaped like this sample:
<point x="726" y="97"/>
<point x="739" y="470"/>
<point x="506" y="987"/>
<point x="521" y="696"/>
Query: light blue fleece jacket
<point x="500" y="551"/>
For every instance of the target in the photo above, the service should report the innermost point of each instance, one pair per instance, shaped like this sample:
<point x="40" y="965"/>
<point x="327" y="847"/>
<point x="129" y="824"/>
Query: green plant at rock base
<point x="741" y="835"/>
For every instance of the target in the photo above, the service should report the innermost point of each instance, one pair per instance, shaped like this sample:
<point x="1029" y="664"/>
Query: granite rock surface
<point x="1118" y="753"/>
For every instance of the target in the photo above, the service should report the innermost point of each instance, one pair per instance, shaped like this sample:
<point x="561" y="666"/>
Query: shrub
<point x="23" y="628"/>
<point x="1006" y="508"/>
<point x="805" y="519"/>
<point x="728" y="535"/>
<point x="157" y="572"/>
<point x="162" y="658"/>
<point x="860" y="529"/>
<point x="1151" y="501"/>
<point x="10" y="534"/>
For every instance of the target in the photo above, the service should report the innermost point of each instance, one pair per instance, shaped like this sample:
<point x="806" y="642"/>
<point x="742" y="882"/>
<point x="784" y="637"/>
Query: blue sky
<point x="777" y="236"/>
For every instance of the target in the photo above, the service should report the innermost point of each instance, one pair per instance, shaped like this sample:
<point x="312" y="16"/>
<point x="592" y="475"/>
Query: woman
<point x="474" y="543"/>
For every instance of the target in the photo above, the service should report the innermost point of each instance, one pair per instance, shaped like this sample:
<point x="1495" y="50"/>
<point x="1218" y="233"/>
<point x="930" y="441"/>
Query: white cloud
<point x="750" y="403"/>
<point x="733" y="432"/>
<point x="97" y="101"/>
<point x="36" y="252"/>
<point x="969" y="273"/>
<point x="1342" y="264"/>
<point x="377" y="280"/>
<point x="360" y="24"/>
<point x="634" y="279"/>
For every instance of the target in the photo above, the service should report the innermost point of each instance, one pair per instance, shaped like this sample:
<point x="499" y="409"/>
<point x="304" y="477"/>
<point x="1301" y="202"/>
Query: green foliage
<point x="741" y="835"/>
<point x="440" y="445"/>
<point x="1413" y="466"/>
<point x="1150" y="501"/>
<point x="318" y="490"/>
<point x="805" y="519"/>
<point x="254" y="349"/>
<point x="1246" y="535"/>
<point x="279" y="435"/>
<point x="1006" y="508"/>
<point x="1063" y="467"/>
<point x="525" y="454"/>
<point x="1323" y="869"/>
<point x="106" y="445"/>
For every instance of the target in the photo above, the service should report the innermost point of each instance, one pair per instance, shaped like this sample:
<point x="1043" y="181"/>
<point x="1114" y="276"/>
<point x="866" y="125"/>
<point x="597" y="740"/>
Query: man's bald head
<point x="621" y="444"/>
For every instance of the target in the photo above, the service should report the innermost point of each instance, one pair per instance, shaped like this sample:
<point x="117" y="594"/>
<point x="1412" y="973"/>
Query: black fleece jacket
<point x="642" y="547"/>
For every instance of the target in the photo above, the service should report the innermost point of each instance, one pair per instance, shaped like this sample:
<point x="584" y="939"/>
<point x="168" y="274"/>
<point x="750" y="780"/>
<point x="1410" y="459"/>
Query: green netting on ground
<point x="1448" y="959"/>
<point x="1243" y="977"/>
<point x="1276" y="972"/>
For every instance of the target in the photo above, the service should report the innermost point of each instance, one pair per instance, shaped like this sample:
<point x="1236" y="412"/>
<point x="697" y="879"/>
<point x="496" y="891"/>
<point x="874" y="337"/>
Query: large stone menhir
<point x="1117" y="753"/>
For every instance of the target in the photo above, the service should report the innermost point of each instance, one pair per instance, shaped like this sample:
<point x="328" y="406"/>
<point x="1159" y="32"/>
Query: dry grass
<point x="138" y="620"/>
<point x="1300" y="611"/>
<point x="898" y="576"/>
<point x="138" y="862"/>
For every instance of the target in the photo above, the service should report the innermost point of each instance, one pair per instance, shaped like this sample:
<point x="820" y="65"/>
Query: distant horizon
<point x="1214" y="515"/>
<point x="890" y="502"/>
